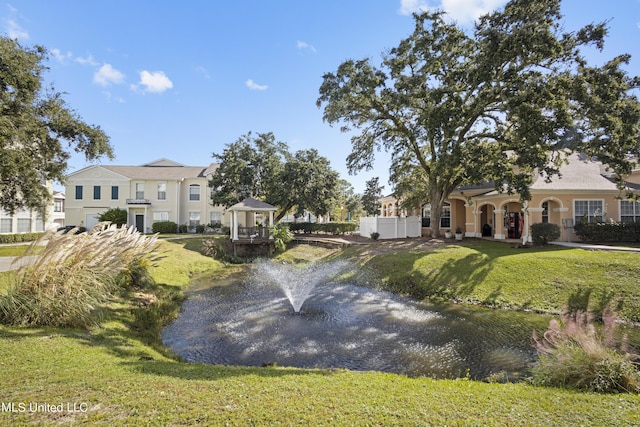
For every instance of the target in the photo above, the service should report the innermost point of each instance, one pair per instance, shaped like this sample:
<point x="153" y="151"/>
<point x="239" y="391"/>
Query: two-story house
<point x="31" y="221"/>
<point x="162" y="190"/>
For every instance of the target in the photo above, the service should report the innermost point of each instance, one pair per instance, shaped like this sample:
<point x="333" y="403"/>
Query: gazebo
<point x="244" y="217"/>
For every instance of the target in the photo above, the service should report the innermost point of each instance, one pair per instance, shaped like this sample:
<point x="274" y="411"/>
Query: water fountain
<point x="323" y="324"/>
<point x="297" y="283"/>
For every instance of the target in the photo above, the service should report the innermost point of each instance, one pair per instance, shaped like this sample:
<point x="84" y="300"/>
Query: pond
<point x="251" y="323"/>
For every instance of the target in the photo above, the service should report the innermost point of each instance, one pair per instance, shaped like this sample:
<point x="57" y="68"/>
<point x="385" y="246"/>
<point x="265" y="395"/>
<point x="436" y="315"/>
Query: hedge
<point x="608" y="231"/>
<point x="164" y="227"/>
<point x="18" y="238"/>
<point x="323" y="227"/>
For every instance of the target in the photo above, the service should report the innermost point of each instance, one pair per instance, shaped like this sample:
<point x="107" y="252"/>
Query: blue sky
<point x="178" y="80"/>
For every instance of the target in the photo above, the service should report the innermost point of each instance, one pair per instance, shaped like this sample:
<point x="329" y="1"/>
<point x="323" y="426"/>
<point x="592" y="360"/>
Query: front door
<point x="140" y="222"/>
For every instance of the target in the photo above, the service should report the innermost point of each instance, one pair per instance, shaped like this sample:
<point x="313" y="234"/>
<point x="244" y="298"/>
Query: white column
<point x="234" y="230"/>
<point x="271" y="224"/>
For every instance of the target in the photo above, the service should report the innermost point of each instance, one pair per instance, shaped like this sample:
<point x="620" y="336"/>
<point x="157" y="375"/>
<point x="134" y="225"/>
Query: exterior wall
<point x="27" y="221"/>
<point x="176" y="205"/>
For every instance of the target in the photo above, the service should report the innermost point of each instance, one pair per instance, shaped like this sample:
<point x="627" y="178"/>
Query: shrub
<point x="608" y="231"/>
<point x="281" y="236"/>
<point x="164" y="227"/>
<point x="73" y="276"/>
<point x="572" y="354"/>
<point x="183" y="228"/>
<point x="375" y="235"/>
<point x="200" y="228"/>
<point x="18" y="238"/>
<point x="116" y="216"/>
<point x="544" y="232"/>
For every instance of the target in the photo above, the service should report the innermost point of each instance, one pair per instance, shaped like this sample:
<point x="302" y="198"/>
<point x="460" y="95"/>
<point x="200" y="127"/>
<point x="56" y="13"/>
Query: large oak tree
<point x="258" y="166"/>
<point x="495" y="104"/>
<point x="37" y="130"/>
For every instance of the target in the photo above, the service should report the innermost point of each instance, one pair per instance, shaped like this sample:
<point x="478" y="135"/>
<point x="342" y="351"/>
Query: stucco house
<point x="584" y="190"/>
<point x="162" y="190"/>
<point x="30" y="221"/>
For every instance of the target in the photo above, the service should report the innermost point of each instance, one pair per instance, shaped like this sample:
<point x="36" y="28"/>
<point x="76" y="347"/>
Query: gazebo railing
<point x="253" y="233"/>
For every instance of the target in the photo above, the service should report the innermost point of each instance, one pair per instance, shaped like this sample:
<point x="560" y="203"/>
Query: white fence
<point x="391" y="227"/>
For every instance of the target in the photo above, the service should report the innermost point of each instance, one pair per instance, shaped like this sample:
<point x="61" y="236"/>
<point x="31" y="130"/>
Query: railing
<point x="253" y="233"/>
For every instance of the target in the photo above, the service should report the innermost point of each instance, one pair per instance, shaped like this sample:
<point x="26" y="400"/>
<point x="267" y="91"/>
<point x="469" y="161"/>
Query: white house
<point x="30" y="221"/>
<point x="162" y="190"/>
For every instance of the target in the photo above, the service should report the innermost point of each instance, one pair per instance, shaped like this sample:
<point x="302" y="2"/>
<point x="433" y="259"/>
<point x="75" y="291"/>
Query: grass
<point x="495" y="274"/>
<point x="17" y="250"/>
<point x="115" y="378"/>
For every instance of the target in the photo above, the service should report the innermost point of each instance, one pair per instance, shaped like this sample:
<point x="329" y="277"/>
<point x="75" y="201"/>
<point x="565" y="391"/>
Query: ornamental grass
<point x="74" y="276"/>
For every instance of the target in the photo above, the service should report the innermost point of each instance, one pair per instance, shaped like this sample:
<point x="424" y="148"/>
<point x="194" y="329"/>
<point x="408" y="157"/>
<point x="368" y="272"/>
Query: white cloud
<point x="255" y="86"/>
<point x="59" y="56"/>
<point x="462" y="11"/>
<point x="87" y="61"/>
<point x="304" y="45"/>
<point x="203" y="72"/>
<point x="155" y="82"/>
<point x="15" y="31"/>
<point x="107" y="75"/>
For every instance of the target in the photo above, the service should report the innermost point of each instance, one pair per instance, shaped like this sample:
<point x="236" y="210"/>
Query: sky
<point x="180" y="79"/>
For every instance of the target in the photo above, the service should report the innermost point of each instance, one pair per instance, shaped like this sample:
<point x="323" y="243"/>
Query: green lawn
<point x="497" y="274"/>
<point x="114" y="378"/>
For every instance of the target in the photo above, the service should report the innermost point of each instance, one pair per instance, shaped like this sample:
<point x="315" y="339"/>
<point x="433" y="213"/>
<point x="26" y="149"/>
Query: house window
<point x="162" y="191"/>
<point x="6" y="225"/>
<point x="58" y="205"/>
<point x="445" y="216"/>
<point x="588" y="211"/>
<point x="139" y="190"/>
<point x="194" y="192"/>
<point x="216" y="217"/>
<point x="78" y="192"/>
<point x="160" y="216"/>
<point x="24" y="225"/>
<point x="194" y="219"/>
<point x="96" y="192"/>
<point x="114" y="192"/>
<point x="545" y="212"/>
<point x="629" y="211"/>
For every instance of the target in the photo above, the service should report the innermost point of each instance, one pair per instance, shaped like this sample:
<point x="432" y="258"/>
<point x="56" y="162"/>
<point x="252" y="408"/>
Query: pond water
<point x="252" y="323"/>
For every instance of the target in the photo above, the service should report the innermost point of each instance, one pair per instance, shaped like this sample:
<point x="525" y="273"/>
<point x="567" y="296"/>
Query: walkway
<point x="596" y="247"/>
<point x="7" y="262"/>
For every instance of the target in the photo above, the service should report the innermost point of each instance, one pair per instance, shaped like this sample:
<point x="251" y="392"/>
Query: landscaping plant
<point x="573" y="354"/>
<point x="73" y="276"/>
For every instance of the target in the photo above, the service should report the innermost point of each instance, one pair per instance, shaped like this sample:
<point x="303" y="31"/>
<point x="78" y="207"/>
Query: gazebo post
<point x="234" y="235"/>
<point x="271" y="224"/>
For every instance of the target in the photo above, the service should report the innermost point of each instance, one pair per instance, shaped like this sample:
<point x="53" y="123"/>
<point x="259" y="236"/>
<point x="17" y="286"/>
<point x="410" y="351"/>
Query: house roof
<point x="581" y="173"/>
<point x="251" y="204"/>
<point x="161" y="169"/>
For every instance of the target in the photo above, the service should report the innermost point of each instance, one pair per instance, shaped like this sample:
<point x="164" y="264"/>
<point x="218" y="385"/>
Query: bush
<point x="200" y="228"/>
<point x="608" y="231"/>
<point x="183" y="228"/>
<point x="164" y="227"/>
<point x="375" y="235"/>
<point x="572" y="354"/>
<point x="281" y="236"/>
<point x="18" y="238"/>
<point x="73" y="277"/>
<point x="323" y="227"/>
<point x="544" y="232"/>
<point x="116" y="216"/>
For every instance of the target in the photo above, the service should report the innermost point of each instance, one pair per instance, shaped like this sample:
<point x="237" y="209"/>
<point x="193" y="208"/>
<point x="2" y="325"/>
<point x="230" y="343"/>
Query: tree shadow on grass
<point x="204" y="372"/>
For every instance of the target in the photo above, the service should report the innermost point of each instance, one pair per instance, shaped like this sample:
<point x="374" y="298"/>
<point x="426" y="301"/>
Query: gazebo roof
<point x="251" y="204"/>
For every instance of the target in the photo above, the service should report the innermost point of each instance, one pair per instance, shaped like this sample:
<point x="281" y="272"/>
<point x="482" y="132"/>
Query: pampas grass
<point x="73" y="277"/>
<point x="573" y="353"/>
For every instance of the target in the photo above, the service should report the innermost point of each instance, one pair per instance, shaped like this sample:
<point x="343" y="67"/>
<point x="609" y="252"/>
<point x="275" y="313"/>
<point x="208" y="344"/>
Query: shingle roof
<point x="163" y="169"/>
<point x="251" y="204"/>
<point x="581" y="173"/>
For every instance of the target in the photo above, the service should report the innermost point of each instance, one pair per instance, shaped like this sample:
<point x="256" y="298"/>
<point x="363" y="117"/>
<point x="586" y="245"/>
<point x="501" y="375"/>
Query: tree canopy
<point x="371" y="196"/>
<point x="498" y="103"/>
<point x="258" y="166"/>
<point x="37" y="130"/>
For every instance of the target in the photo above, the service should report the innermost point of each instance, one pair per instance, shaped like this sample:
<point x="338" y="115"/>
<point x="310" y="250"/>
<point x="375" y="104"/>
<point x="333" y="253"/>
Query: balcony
<point x="138" y="202"/>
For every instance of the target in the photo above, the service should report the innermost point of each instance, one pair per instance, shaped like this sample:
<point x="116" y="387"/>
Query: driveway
<point x="7" y="262"/>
